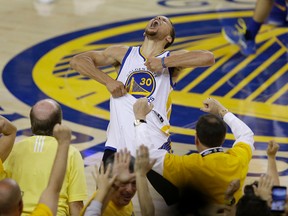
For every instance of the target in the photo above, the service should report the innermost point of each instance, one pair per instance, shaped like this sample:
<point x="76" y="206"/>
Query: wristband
<point x="139" y="121"/>
<point x="223" y="112"/>
<point x="163" y="63"/>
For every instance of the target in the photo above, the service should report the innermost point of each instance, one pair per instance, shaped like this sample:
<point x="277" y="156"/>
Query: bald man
<point x="31" y="160"/>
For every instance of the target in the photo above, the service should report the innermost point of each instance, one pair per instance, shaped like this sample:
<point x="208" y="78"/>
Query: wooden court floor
<point x="38" y="41"/>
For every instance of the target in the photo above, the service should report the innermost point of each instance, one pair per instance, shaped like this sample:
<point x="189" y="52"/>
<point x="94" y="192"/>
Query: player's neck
<point x="152" y="48"/>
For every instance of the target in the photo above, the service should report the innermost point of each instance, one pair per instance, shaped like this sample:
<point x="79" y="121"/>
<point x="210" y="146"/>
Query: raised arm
<point x="141" y="108"/>
<point x="96" y="206"/>
<point x="8" y="132"/>
<point x="272" y="167"/>
<point x="106" y="184"/>
<point x="88" y="64"/>
<point x="181" y="59"/>
<point x="187" y="59"/>
<point x="50" y="195"/>
<point x="142" y="167"/>
<point x="239" y="129"/>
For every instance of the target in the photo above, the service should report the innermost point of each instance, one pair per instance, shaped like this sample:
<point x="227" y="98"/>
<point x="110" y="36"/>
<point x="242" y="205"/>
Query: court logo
<point x="259" y="80"/>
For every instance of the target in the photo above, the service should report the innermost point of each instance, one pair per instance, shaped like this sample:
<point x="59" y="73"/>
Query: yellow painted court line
<point x="239" y="67"/>
<point x="225" y="47"/>
<point x="229" y="136"/>
<point x="278" y="94"/>
<point x="268" y="32"/>
<point x="238" y="106"/>
<point x="209" y="71"/>
<point x="197" y="17"/>
<point x="204" y="36"/>
<point x="255" y="73"/>
<point x="184" y="73"/>
<point x="268" y="82"/>
<point x="281" y="44"/>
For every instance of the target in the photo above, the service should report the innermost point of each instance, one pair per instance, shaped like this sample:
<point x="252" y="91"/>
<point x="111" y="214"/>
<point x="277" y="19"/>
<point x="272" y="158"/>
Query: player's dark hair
<point x="172" y="34"/>
<point x="45" y="127"/>
<point x="211" y="130"/>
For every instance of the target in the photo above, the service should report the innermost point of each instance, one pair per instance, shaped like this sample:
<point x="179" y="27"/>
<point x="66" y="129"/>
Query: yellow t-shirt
<point x="111" y="208"/>
<point x="2" y="172"/>
<point x="210" y="174"/>
<point x="30" y="164"/>
<point x="42" y="210"/>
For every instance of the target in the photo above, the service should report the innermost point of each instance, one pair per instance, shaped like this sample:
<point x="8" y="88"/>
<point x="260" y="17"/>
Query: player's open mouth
<point x="155" y="24"/>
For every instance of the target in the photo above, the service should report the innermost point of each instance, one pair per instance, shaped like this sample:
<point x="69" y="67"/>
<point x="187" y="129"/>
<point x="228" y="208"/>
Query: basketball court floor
<point x="38" y="40"/>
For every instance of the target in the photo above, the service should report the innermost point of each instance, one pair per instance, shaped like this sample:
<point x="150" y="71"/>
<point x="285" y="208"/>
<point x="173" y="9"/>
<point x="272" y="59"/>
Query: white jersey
<point x="140" y="83"/>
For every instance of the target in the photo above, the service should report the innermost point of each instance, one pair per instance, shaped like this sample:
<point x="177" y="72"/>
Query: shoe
<point x="247" y="47"/>
<point x="236" y="35"/>
<point x="233" y="33"/>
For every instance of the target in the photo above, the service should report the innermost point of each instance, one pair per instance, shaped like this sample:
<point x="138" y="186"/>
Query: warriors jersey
<point x="140" y="82"/>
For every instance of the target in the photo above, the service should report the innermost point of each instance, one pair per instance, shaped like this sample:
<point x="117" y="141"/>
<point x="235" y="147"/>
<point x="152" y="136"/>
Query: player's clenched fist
<point x="116" y="88"/>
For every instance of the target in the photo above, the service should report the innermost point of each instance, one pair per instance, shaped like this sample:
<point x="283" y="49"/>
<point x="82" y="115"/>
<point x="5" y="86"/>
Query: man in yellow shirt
<point x="212" y="169"/>
<point x="11" y="202"/>
<point x="31" y="160"/>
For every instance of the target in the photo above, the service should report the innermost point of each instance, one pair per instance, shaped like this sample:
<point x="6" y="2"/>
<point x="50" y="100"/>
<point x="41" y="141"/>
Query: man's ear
<point x="196" y="140"/>
<point x="20" y="207"/>
<point x="169" y="39"/>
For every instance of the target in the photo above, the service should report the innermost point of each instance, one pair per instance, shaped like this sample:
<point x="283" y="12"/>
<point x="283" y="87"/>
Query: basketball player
<point x="144" y="71"/>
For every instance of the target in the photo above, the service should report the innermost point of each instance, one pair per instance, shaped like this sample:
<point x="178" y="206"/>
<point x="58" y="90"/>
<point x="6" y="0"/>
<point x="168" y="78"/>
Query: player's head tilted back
<point x="160" y="28"/>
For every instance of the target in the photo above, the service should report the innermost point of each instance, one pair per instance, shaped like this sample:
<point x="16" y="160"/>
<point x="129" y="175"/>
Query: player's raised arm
<point x="181" y="59"/>
<point x="88" y="63"/>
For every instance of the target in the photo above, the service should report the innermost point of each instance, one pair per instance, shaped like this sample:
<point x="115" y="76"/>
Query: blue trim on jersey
<point x="123" y="61"/>
<point x="110" y="148"/>
<point x="139" y="48"/>
<point x="162" y="53"/>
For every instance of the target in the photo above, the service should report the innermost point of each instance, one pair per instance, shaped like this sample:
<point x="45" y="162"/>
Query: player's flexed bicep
<point x="188" y="59"/>
<point x="88" y="64"/>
